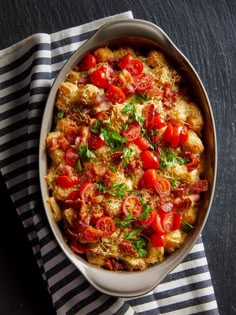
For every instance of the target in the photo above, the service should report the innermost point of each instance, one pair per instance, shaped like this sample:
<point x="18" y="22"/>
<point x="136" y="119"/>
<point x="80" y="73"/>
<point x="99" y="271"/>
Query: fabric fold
<point x="27" y="71"/>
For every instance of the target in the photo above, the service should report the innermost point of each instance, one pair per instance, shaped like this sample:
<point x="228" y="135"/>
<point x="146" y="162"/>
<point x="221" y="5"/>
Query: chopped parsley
<point x="185" y="226"/>
<point x="84" y="152"/>
<point x="169" y="159"/>
<point x="137" y="243"/>
<point x="98" y="124"/>
<point x="124" y="223"/>
<point x="128" y="152"/>
<point x="78" y="166"/>
<point x="60" y="115"/>
<point x="146" y="210"/>
<point x="130" y="109"/>
<point x="117" y="190"/>
<point x="112" y="168"/>
<point x="113" y="139"/>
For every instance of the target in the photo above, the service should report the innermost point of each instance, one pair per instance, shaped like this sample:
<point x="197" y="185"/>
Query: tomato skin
<point x="177" y="221"/>
<point x="71" y="157"/>
<point x="75" y="194"/>
<point x="156" y="224"/>
<point x="91" y="234"/>
<point x="149" y="220"/>
<point x="95" y="142"/>
<point x="149" y="179"/>
<point x="163" y="187"/>
<point x="132" y="204"/>
<point x="170" y="221"/>
<point x="99" y="78"/>
<point x="115" y="95"/>
<point x="158" y="122"/>
<point x="183" y="137"/>
<point x="78" y="248"/>
<point x="125" y="60"/>
<point x="135" y="67"/>
<point x="143" y="82"/>
<point x="88" y="62"/>
<point x="65" y="181"/>
<point x="87" y="190"/>
<point x="142" y="143"/>
<point x="175" y="134"/>
<point x="194" y="161"/>
<point x="132" y="133"/>
<point x="149" y="160"/>
<point x="106" y="225"/>
<point x="158" y="240"/>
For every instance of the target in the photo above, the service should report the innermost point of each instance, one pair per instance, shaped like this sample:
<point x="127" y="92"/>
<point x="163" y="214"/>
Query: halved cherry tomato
<point x="183" y="137"/>
<point x="102" y="77"/>
<point x="165" y="204"/>
<point x="115" y="95"/>
<point x="132" y="204"/>
<point x="65" y="181"/>
<point x="163" y="186"/>
<point x="170" y="221"/>
<point x="88" y="62"/>
<point x="149" y="179"/>
<point x="106" y="225"/>
<point x="149" y="160"/>
<point x="142" y="143"/>
<point x="135" y="67"/>
<point x="143" y="82"/>
<point x="176" y="135"/>
<point x="95" y="142"/>
<point x="158" y="122"/>
<point x="125" y="60"/>
<point x="168" y="133"/>
<point x="71" y="157"/>
<point x="133" y="132"/>
<point x="158" y="240"/>
<point x="87" y="191"/>
<point x="149" y="220"/>
<point x="91" y="234"/>
<point x="75" y="194"/>
<point x="156" y="224"/>
<point x="78" y="248"/>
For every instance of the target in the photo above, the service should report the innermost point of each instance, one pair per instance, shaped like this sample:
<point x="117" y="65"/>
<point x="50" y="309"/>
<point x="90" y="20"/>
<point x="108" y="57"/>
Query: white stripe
<point x="115" y="307"/>
<point x="93" y="305"/>
<point x="61" y="274"/>
<point x="55" y="260"/>
<point x="195" y="309"/>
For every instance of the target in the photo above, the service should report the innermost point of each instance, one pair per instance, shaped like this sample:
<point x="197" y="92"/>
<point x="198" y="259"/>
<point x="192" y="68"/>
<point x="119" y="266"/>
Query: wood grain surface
<point x="205" y="31"/>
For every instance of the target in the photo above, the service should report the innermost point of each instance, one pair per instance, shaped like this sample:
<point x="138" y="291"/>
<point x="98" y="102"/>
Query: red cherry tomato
<point x="165" y="205"/>
<point x="106" y="225"/>
<point x="142" y="143"/>
<point x="163" y="187"/>
<point x="75" y="194"/>
<point x="87" y="190"/>
<point x="65" y="181"/>
<point x="125" y="60"/>
<point x="170" y="221"/>
<point x="175" y="136"/>
<point x="183" y="137"/>
<point x="88" y="62"/>
<point x="149" y="160"/>
<point x="71" y="157"/>
<point x="158" y="240"/>
<point x="156" y="224"/>
<point x="158" y="122"/>
<point x="143" y="82"/>
<point x="149" y="219"/>
<point x="102" y="77"/>
<point x="168" y="133"/>
<point x="95" y="142"/>
<point x="133" y="132"/>
<point x="149" y="179"/>
<point x="91" y="234"/>
<point x="115" y="95"/>
<point x="132" y="204"/>
<point x="135" y="67"/>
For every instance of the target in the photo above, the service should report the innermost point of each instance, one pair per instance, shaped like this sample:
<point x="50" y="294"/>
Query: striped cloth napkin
<point x="27" y="70"/>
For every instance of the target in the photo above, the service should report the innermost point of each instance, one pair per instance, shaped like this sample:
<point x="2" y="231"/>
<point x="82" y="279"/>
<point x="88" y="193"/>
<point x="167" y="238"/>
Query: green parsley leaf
<point x="118" y="190"/>
<point x="132" y="235"/>
<point x="60" y="115"/>
<point x="182" y="161"/>
<point x="128" y="152"/>
<point x="112" y="168"/>
<point x="78" y="166"/>
<point x="100" y="187"/>
<point x="96" y="126"/>
<point x="137" y="243"/>
<point x="126" y="221"/>
<point x="84" y="152"/>
<point x="185" y="226"/>
<point x="146" y="210"/>
<point x="173" y="182"/>
<point x="113" y="139"/>
<point x="170" y="158"/>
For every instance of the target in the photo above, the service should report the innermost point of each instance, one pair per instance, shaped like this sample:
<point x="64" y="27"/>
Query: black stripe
<point x="16" y="141"/>
<point x="70" y="40"/>
<point x="210" y="312"/>
<point x="124" y="308"/>
<point x="26" y="199"/>
<point x="171" y="292"/>
<point x="18" y="156"/>
<point x="64" y="281"/>
<point x="46" y="239"/>
<point x="188" y="303"/>
<point x="154" y="311"/>
<point x="53" y="253"/>
<point x="62" y="57"/>
<point x="34" y="242"/>
<point x="193" y="256"/>
<point x="185" y="273"/>
<point x="14" y="111"/>
<point x="79" y="305"/>
<point x="57" y="268"/>
<point x="102" y="308"/>
<point x="23" y="185"/>
<point x="21" y="170"/>
<point x="70" y="294"/>
<point x="27" y="55"/>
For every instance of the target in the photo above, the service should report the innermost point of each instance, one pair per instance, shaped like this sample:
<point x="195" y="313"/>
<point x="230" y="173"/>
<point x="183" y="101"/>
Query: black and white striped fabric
<point x="27" y="70"/>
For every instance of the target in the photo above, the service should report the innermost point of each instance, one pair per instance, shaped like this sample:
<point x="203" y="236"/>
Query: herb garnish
<point x="78" y="166"/>
<point x="128" y="152"/>
<point x="124" y="223"/>
<point x="137" y="243"/>
<point x="60" y="115"/>
<point x="113" y="139"/>
<point x="169" y="159"/>
<point x="130" y="109"/>
<point x="186" y="226"/>
<point x="146" y="210"/>
<point x="117" y="190"/>
<point x="84" y="152"/>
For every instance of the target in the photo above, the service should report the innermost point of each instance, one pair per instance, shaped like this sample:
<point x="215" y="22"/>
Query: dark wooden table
<point x="205" y="30"/>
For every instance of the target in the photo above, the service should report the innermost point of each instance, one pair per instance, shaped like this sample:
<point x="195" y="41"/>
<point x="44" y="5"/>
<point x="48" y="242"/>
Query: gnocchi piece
<point x="174" y="240"/>
<point x="56" y="211"/>
<point x="103" y="54"/>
